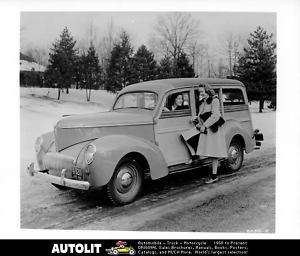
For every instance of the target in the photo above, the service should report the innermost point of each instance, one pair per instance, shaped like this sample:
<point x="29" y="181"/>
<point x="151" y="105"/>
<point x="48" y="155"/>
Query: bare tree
<point x="230" y="47"/>
<point x="90" y="36"/>
<point x="193" y="51"/>
<point x="106" y="44"/>
<point x="39" y="54"/>
<point x="92" y="33"/>
<point x="210" y="67"/>
<point x="155" y="46"/>
<point x="222" y="69"/>
<point x="175" y="31"/>
<point x="197" y="52"/>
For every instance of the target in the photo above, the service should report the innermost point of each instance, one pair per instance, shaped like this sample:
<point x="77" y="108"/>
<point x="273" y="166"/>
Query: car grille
<point x="56" y="161"/>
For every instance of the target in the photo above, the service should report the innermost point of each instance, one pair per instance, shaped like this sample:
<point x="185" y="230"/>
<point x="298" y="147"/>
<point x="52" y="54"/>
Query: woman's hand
<point x="194" y="120"/>
<point x="202" y="129"/>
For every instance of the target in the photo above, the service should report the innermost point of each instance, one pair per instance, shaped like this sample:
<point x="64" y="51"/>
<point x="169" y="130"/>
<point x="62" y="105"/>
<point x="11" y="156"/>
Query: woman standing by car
<point x="212" y="138"/>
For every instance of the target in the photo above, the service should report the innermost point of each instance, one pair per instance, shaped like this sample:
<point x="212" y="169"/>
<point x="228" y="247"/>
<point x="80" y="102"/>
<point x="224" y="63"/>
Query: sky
<point x="42" y="28"/>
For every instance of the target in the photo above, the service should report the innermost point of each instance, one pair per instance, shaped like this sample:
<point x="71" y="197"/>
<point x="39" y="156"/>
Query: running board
<point x="188" y="167"/>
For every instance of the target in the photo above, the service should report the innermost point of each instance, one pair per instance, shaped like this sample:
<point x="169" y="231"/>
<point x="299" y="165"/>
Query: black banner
<point x="148" y="247"/>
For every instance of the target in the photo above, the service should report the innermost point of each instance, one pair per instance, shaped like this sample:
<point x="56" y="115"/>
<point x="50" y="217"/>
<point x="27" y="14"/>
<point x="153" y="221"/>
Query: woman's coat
<point x="212" y="144"/>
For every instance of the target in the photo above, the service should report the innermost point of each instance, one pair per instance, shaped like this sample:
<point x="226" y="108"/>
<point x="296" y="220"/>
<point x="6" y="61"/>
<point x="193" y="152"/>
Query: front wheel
<point x="126" y="182"/>
<point x="131" y="251"/>
<point x="235" y="158"/>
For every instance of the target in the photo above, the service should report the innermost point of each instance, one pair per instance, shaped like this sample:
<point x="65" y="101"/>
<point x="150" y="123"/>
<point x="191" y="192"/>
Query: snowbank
<point x="100" y="100"/>
<point x="31" y="66"/>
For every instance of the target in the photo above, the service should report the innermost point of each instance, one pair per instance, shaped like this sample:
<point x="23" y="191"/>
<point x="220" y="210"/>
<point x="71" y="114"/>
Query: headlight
<point x="38" y="144"/>
<point x="89" y="153"/>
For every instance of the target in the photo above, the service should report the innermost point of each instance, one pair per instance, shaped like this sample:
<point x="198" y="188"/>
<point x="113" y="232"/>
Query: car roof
<point x="163" y="85"/>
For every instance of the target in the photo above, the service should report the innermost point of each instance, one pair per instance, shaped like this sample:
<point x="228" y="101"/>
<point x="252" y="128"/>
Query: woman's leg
<point x="213" y="176"/>
<point x="215" y="163"/>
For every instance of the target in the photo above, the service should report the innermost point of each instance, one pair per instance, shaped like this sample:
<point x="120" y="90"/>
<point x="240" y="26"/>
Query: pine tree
<point x="119" y="70"/>
<point x="62" y="60"/>
<point x="184" y="68"/>
<point x="165" y="68"/>
<point x="91" y="72"/>
<point x="78" y="70"/>
<point x="171" y="68"/>
<point x="144" y="65"/>
<point x="257" y="67"/>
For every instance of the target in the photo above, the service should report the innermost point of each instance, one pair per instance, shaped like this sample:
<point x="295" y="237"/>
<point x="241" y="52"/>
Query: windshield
<point x="144" y="100"/>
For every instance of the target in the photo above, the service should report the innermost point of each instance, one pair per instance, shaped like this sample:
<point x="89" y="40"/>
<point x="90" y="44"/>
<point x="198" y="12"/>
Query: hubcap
<point x="233" y="155"/>
<point x="125" y="179"/>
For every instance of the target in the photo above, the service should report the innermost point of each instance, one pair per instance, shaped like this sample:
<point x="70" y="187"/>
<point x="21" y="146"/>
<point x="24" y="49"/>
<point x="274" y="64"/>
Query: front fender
<point x="76" y="151"/>
<point x="233" y="128"/>
<point x="48" y="141"/>
<point x="111" y="149"/>
<point x="46" y="146"/>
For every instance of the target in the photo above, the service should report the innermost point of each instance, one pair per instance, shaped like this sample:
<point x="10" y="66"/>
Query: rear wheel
<point x="235" y="157"/>
<point x="126" y="182"/>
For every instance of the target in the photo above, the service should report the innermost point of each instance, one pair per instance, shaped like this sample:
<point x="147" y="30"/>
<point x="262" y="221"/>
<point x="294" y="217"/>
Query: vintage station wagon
<point x="137" y="139"/>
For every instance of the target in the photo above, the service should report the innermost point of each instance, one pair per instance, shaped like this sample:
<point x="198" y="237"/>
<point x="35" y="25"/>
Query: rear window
<point x="233" y="97"/>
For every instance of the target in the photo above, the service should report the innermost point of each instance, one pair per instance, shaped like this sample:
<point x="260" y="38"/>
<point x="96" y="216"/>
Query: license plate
<point x="77" y="174"/>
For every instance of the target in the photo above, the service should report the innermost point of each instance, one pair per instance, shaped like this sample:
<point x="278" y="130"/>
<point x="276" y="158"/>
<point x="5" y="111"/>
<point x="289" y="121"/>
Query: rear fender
<point x="111" y="149"/>
<point x="234" y="128"/>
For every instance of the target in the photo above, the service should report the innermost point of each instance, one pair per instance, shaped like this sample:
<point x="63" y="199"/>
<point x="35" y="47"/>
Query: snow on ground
<point x="254" y="107"/>
<point x="100" y="100"/>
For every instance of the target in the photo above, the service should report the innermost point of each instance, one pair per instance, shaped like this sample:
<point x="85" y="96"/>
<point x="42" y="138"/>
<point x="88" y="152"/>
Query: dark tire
<point x="235" y="158"/>
<point x="126" y="182"/>
<point x="131" y="252"/>
<point x="60" y="187"/>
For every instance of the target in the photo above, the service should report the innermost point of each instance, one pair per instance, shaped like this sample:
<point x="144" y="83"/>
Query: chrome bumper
<point x="62" y="180"/>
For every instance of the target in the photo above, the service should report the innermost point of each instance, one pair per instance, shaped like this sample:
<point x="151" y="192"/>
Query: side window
<point x="233" y="97"/>
<point x="177" y="104"/>
<point x="150" y="100"/>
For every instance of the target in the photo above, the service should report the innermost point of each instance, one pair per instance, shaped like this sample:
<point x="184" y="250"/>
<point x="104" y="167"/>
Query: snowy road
<point x="244" y="201"/>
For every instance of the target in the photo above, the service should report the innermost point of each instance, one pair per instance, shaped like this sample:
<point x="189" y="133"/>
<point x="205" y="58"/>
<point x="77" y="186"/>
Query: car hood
<point x="111" y="118"/>
<point x="76" y="129"/>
